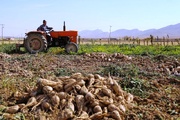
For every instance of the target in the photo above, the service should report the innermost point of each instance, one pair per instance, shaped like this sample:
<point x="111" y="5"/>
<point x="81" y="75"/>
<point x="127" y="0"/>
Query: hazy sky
<point x="20" y="16"/>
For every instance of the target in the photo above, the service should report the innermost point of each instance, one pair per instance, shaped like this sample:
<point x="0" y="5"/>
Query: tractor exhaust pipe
<point x="64" y="27"/>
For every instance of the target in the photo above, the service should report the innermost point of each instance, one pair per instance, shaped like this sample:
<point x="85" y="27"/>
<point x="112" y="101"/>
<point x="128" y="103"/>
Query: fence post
<point x="132" y="40"/>
<point x="92" y="41"/>
<point x="79" y="40"/>
<point x="82" y="40"/>
<point x="178" y="41"/>
<point x="167" y="41"/>
<point x="144" y="40"/>
<point x="147" y="40"/>
<point x="164" y="41"/>
<point x="138" y="41"/>
<point x="172" y="42"/>
<point x="119" y="41"/>
<point x="158" y="41"/>
<point x="151" y="38"/>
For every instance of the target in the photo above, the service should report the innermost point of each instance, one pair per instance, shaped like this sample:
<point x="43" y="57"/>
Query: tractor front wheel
<point x="71" y="47"/>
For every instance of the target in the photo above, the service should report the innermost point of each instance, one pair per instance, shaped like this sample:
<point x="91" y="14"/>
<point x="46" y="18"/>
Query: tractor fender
<point x="36" y="32"/>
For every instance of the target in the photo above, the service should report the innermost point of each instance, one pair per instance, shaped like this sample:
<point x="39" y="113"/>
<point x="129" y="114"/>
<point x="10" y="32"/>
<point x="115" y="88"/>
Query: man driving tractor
<point x="44" y="27"/>
<point x="44" y="38"/>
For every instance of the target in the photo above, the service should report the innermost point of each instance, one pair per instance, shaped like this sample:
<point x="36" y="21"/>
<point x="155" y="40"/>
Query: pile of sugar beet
<point x="75" y="97"/>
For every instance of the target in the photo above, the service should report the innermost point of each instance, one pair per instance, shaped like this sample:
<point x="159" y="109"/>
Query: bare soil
<point x="160" y="75"/>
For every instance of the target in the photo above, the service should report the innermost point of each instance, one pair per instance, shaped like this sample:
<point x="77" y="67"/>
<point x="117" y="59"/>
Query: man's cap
<point x="44" y="21"/>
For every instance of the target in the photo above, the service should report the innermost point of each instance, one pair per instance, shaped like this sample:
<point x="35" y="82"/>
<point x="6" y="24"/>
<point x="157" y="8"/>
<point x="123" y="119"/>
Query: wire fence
<point x="115" y="41"/>
<point x="146" y="41"/>
<point x="11" y="42"/>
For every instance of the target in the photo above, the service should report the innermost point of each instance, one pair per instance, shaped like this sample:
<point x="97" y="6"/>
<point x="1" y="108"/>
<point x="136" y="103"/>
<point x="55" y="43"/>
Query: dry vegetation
<point x="89" y="86"/>
<point x="137" y="41"/>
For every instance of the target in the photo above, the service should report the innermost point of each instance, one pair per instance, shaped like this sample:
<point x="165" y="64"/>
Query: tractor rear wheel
<point x="35" y="43"/>
<point x="71" y="47"/>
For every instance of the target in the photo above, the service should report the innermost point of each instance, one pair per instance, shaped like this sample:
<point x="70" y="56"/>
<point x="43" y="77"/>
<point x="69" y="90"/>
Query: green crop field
<point x="128" y="49"/>
<point x="131" y="49"/>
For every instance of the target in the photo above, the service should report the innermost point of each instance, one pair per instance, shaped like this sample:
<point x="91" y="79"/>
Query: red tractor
<point x="38" y="41"/>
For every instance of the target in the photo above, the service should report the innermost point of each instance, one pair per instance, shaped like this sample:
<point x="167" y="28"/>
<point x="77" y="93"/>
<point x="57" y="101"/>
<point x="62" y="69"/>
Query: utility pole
<point x="2" y="26"/>
<point x="109" y="34"/>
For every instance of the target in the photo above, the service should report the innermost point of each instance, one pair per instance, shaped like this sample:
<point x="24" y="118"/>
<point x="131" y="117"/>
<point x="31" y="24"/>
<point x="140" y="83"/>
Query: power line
<point x="2" y="26"/>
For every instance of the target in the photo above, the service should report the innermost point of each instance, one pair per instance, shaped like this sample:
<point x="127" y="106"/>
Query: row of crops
<point x="128" y="49"/>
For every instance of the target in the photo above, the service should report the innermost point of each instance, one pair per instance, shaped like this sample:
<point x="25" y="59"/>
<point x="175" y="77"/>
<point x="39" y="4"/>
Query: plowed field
<point x="154" y="82"/>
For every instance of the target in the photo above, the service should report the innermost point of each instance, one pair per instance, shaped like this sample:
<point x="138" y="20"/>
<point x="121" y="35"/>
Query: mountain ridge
<point x="173" y="31"/>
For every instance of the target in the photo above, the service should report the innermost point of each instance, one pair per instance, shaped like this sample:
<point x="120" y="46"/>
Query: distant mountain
<point x="124" y="32"/>
<point x="93" y="34"/>
<point x="172" y="30"/>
